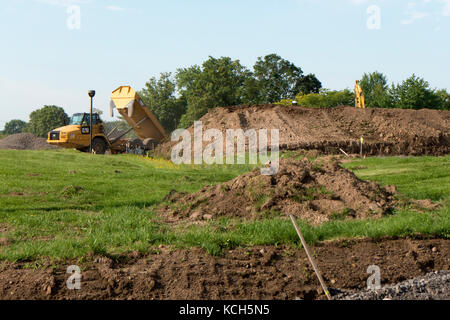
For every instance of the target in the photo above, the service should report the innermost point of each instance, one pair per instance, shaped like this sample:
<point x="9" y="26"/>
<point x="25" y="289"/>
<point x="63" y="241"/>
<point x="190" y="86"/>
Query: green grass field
<point x="65" y="204"/>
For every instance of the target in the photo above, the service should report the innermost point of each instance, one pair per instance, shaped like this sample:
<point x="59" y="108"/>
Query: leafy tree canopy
<point x="324" y="99"/>
<point x="444" y="96"/>
<point x="308" y="84"/>
<point x="415" y="93"/>
<point x="46" y="119"/>
<point x="14" y="126"/>
<point x="159" y="95"/>
<point x="376" y="90"/>
<point x="277" y="78"/>
<point x="218" y="82"/>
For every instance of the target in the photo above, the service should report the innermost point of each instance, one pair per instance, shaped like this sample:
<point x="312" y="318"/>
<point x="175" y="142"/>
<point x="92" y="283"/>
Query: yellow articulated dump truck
<point x="133" y="110"/>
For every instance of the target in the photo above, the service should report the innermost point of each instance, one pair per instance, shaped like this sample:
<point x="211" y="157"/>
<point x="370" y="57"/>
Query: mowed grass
<point x="65" y="204"/>
<point x="415" y="177"/>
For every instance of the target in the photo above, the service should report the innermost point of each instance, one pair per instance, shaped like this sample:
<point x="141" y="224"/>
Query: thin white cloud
<point x="358" y="2"/>
<point x="446" y="8"/>
<point x="114" y="8"/>
<point x="413" y="13"/>
<point x="412" y="5"/>
<point x="62" y="3"/>
<point x="366" y="2"/>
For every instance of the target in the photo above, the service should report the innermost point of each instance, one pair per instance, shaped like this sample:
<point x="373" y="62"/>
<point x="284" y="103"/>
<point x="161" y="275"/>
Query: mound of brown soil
<point x="317" y="192"/>
<point x="25" y="141"/>
<point x="385" y="131"/>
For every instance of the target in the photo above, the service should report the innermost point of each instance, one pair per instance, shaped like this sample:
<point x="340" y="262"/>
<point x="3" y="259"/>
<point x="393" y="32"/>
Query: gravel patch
<point x="433" y="286"/>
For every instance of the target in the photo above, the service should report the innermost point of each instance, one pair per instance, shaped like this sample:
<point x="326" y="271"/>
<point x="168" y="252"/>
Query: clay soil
<point x="245" y="273"/>
<point x="386" y="131"/>
<point x="25" y="141"/>
<point x="314" y="191"/>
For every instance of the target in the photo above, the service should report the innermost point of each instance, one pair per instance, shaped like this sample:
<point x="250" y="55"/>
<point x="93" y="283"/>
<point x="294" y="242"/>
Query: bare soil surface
<point x="25" y="141"/>
<point x="265" y="272"/>
<point x="316" y="192"/>
<point x="385" y="131"/>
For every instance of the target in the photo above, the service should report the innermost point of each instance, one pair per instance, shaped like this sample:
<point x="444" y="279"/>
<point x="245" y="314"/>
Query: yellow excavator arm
<point x="359" y="96"/>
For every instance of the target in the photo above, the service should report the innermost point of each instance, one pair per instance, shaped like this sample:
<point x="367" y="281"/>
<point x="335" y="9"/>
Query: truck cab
<point x="133" y="110"/>
<point x="77" y="133"/>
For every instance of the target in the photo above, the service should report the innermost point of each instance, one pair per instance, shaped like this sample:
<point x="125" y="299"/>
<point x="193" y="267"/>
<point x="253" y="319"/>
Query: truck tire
<point x="98" y="146"/>
<point x="150" y="144"/>
<point x="136" y="143"/>
<point x="135" y="146"/>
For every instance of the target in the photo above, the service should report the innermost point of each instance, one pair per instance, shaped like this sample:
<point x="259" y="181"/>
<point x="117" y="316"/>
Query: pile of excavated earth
<point x="316" y="191"/>
<point x="25" y="141"/>
<point x="385" y="131"/>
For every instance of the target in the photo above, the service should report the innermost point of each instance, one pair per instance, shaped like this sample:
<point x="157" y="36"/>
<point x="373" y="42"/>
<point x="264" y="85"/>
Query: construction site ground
<point x="145" y="228"/>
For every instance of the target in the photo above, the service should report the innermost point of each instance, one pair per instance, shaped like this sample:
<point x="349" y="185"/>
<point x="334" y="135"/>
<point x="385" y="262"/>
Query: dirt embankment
<point x="25" y="141"/>
<point x="385" y="131"/>
<point x="317" y="192"/>
<point x="246" y="273"/>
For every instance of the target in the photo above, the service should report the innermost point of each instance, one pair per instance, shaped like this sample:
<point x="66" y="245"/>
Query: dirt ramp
<point x="25" y="141"/>
<point x="317" y="192"/>
<point x="385" y="131"/>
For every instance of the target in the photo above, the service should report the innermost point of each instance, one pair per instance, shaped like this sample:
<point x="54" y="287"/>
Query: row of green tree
<point x="179" y="99"/>
<point x="412" y="93"/>
<point x="41" y="122"/>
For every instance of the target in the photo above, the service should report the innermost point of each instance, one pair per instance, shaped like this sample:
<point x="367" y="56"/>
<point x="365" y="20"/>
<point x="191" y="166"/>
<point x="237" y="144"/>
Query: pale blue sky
<point x="42" y="61"/>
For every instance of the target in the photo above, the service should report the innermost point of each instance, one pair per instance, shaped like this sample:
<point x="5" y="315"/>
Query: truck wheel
<point x="99" y="146"/>
<point x="150" y="144"/>
<point x="136" y="143"/>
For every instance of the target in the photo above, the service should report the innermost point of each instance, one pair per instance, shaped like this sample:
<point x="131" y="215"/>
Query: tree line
<point x="41" y="122"/>
<point x="181" y="98"/>
<point x="412" y="93"/>
<point x="178" y="99"/>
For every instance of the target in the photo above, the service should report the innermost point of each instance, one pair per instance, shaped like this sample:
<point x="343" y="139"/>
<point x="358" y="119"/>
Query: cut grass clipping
<point x="65" y="204"/>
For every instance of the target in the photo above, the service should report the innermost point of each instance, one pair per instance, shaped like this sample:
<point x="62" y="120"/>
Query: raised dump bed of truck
<point x="138" y="116"/>
<point x="131" y="107"/>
